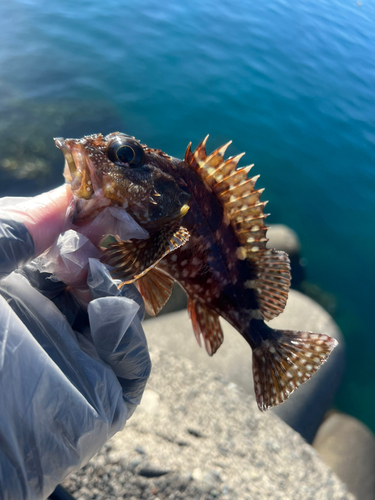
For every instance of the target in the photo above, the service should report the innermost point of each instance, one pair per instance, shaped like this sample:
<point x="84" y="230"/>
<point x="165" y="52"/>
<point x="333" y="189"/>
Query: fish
<point x="206" y="226"/>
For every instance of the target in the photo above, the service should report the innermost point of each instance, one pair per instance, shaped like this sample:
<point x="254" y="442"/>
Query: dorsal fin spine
<point x="231" y="181"/>
<point x="200" y="152"/>
<point x="240" y="205"/>
<point x="224" y="169"/>
<point x="244" y="189"/>
<point x="218" y="154"/>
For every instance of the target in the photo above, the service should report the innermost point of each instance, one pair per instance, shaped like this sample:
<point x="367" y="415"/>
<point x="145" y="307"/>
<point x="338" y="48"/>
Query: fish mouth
<point x="76" y="171"/>
<point x="60" y="143"/>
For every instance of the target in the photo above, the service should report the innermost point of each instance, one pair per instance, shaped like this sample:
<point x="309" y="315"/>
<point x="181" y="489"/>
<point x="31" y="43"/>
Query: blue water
<point x="292" y="83"/>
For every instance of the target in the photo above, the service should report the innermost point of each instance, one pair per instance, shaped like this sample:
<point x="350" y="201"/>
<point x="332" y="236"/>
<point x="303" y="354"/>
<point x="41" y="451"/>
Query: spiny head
<point x="120" y="169"/>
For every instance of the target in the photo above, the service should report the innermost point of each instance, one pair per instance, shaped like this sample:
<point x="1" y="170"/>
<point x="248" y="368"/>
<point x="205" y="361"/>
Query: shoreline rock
<point x="305" y="409"/>
<point x="196" y="435"/>
<point x="348" y="447"/>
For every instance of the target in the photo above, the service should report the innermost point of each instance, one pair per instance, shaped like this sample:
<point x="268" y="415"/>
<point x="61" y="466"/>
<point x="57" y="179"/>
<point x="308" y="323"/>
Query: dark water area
<point x="292" y="83"/>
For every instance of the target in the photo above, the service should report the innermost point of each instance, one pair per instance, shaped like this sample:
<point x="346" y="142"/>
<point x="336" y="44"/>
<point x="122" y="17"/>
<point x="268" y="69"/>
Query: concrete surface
<point x="196" y="436"/>
<point x="305" y="409"/>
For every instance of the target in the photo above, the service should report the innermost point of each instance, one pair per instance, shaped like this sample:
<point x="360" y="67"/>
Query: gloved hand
<point x="69" y="377"/>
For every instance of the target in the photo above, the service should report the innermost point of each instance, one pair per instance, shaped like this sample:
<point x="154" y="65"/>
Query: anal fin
<point x="134" y="258"/>
<point x="284" y="360"/>
<point x="206" y="323"/>
<point x="155" y="287"/>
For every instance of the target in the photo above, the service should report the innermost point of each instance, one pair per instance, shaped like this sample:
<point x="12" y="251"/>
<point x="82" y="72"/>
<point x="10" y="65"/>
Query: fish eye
<point x="125" y="150"/>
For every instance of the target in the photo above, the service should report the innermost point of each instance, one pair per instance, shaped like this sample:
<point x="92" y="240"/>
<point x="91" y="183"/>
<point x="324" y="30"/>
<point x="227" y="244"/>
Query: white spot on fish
<point x="241" y="253"/>
<point x="249" y="284"/>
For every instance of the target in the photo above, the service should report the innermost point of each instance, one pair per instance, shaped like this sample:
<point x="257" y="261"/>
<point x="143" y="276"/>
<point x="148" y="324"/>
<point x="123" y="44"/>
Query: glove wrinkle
<point x="16" y="246"/>
<point x="19" y="295"/>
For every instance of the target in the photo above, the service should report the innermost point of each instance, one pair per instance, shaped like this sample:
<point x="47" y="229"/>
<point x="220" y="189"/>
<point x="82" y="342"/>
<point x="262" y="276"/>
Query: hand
<point x="69" y="377"/>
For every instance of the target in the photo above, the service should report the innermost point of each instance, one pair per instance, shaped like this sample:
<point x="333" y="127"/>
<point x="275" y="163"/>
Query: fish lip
<point x="60" y="144"/>
<point x="59" y="141"/>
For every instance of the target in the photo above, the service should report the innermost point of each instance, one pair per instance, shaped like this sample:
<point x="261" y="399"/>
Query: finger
<point x="44" y="216"/>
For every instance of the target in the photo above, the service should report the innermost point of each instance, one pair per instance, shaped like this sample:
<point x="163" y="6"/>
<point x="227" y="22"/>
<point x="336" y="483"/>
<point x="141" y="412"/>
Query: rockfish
<point x="206" y="230"/>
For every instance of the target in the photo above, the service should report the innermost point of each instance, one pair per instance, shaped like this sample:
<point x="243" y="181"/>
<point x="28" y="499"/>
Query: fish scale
<point x="206" y="226"/>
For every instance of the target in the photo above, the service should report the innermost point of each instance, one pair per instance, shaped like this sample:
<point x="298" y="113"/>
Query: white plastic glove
<point x="69" y="379"/>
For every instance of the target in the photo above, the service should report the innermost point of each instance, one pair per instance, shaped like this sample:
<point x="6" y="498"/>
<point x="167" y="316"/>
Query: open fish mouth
<point x="76" y="171"/>
<point x="60" y="143"/>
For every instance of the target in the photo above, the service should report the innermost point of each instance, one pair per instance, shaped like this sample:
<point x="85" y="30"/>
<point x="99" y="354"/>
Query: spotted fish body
<point x="206" y="226"/>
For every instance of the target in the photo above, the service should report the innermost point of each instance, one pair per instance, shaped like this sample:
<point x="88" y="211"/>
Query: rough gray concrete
<point x="305" y="409"/>
<point x="196" y="436"/>
<point x="348" y="448"/>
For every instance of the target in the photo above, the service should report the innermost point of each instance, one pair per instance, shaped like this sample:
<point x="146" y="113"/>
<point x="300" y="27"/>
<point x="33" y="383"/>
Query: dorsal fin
<point x="243" y="208"/>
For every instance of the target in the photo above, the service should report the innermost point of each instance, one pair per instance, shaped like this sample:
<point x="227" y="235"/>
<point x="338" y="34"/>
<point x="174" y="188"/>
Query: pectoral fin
<point x="134" y="258"/>
<point x="155" y="287"/>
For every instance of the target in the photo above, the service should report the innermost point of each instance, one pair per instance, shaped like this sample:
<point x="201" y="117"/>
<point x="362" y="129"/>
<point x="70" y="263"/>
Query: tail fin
<point x="284" y="360"/>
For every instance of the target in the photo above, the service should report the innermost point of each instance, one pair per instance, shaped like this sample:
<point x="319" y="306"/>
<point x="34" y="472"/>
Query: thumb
<point x="44" y="216"/>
